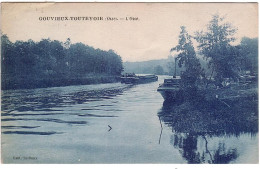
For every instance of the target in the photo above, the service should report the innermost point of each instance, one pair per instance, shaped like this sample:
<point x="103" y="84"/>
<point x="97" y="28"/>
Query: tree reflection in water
<point x="187" y="145"/>
<point x="194" y="129"/>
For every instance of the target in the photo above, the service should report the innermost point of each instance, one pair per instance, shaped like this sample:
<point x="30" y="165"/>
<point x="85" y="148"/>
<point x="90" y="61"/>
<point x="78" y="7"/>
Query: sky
<point x="150" y="37"/>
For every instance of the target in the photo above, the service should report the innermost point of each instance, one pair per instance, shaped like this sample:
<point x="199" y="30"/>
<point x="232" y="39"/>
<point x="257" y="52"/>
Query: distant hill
<point x="146" y="67"/>
<point x="159" y="67"/>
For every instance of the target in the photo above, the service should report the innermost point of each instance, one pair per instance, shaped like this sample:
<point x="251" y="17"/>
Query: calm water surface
<point x="107" y="123"/>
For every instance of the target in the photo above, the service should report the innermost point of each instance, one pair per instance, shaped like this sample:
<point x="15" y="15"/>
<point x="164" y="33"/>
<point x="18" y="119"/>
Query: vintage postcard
<point x="156" y="83"/>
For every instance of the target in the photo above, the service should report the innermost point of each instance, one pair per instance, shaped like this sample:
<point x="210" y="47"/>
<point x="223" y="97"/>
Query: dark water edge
<point x="32" y="83"/>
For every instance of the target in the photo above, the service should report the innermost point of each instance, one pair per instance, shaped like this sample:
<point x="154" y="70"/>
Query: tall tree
<point x="249" y="54"/>
<point x="215" y="45"/>
<point x="187" y="58"/>
<point x="7" y="55"/>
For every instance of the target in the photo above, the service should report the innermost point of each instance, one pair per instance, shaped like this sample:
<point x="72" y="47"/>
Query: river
<point x="107" y="123"/>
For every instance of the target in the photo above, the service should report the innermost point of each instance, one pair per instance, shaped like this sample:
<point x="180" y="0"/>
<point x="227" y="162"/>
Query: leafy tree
<point x="7" y="55"/>
<point x="67" y="43"/>
<point x="187" y="58"/>
<point x="249" y="54"/>
<point x="215" y="45"/>
<point x="116" y="64"/>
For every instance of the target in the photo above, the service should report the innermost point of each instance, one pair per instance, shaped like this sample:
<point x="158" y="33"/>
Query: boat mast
<point x="175" y="68"/>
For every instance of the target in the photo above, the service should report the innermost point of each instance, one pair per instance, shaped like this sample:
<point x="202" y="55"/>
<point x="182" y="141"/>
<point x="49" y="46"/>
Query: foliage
<point x="187" y="58"/>
<point x="215" y="45"/>
<point x="249" y="54"/>
<point x="208" y="114"/>
<point x="34" y="64"/>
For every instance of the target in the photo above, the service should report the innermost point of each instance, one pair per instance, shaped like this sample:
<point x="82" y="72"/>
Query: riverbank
<point x="215" y="111"/>
<point x="32" y="82"/>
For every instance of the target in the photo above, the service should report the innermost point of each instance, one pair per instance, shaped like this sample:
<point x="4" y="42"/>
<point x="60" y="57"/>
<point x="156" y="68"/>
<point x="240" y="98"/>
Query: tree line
<point x="29" y="64"/>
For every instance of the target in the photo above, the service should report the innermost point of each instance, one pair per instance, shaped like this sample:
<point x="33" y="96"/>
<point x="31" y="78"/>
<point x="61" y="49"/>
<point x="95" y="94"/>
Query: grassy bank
<point x="220" y="111"/>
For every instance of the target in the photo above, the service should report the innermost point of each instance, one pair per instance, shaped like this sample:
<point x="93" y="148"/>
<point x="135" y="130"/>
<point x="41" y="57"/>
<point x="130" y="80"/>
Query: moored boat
<point x="131" y="78"/>
<point x="170" y="89"/>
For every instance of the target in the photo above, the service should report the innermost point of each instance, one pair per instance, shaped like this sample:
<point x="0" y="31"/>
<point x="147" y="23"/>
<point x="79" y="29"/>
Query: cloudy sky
<point x="150" y="37"/>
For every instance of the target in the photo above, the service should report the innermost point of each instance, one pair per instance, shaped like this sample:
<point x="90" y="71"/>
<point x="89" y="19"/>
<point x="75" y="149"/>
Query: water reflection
<point x="202" y="136"/>
<point x="47" y="99"/>
<point x="30" y="132"/>
<point x="187" y="145"/>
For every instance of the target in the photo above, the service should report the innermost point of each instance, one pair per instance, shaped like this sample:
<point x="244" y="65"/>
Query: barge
<point x="131" y="78"/>
<point x="170" y="89"/>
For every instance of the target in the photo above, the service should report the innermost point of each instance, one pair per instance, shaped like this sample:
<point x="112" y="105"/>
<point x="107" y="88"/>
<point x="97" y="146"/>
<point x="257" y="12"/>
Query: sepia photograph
<point x="129" y="83"/>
